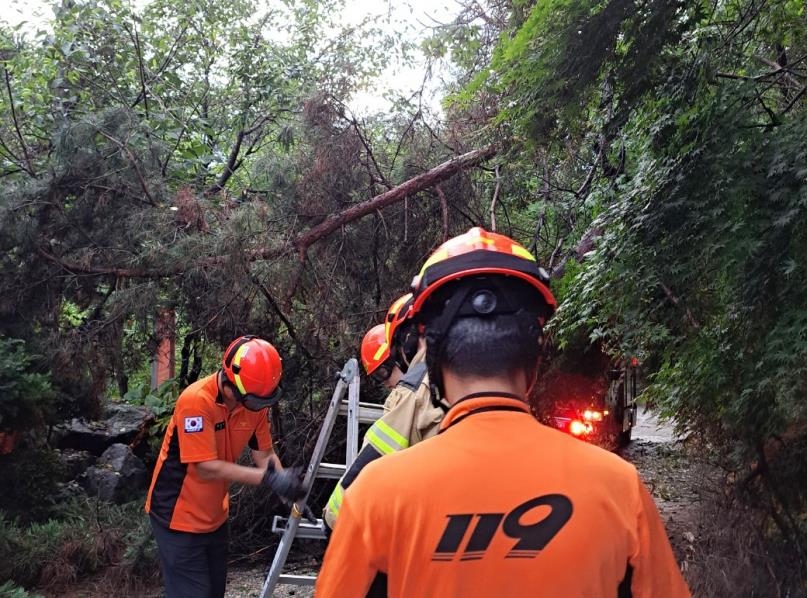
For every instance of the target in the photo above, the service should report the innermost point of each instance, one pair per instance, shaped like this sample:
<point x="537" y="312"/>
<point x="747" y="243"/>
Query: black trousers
<point x="193" y="565"/>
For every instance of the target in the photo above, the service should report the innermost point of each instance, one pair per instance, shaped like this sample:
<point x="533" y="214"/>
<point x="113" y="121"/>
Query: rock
<point x="121" y="424"/>
<point x="75" y="462"/>
<point x="119" y="476"/>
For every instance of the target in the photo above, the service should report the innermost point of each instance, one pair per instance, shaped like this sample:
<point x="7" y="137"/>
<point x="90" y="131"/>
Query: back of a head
<point x="486" y="345"/>
<point x="483" y="300"/>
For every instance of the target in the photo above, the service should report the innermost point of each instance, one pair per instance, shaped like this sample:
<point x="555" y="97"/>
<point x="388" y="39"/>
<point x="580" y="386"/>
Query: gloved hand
<point x="286" y="483"/>
<point x="309" y="514"/>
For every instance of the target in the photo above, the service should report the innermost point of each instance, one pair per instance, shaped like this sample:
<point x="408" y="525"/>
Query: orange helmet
<point x="253" y="366"/>
<point x="373" y="347"/>
<point x="480" y="253"/>
<point x="379" y="342"/>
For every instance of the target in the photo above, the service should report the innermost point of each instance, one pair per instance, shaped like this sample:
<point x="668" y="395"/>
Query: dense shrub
<point x="88" y="537"/>
<point x="33" y="472"/>
<point x="26" y="397"/>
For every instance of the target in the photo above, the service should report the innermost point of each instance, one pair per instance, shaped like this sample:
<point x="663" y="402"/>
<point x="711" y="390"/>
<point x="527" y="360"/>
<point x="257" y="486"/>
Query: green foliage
<point x="145" y="155"/>
<point x="161" y="402"/>
<point x="33" y="472"/>
<point x="8" y="589"/>
<point x="25" y="395"/>
<point x="86" y="537"/>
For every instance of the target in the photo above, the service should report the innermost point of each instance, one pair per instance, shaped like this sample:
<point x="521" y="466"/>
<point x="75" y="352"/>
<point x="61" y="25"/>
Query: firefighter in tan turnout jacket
<point x="393" y="354"/>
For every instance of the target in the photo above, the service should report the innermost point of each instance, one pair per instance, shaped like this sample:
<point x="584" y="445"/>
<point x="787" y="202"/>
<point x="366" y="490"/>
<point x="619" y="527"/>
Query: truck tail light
<point x="592" y="416"/>
<point x="577" y="428"/>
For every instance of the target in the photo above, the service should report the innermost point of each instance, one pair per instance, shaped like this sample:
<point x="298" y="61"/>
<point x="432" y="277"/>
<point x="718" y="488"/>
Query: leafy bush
<point x="26" y="397"/>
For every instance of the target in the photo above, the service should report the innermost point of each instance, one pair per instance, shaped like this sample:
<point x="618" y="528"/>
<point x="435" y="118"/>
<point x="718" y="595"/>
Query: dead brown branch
<point x="301" y="243"/>
<point x="494" y="199"/>
<point x="423" y="181"/>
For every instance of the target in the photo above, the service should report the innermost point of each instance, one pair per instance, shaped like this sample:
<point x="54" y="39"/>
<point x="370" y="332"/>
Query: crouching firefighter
<point x="393" y="354"/>
<point x="496" y="504"/>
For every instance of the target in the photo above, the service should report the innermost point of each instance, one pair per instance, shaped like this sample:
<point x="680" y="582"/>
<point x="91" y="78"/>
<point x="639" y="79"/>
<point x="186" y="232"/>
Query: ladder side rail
<point x="348" y="374"/>
<point x="352" y="449"/>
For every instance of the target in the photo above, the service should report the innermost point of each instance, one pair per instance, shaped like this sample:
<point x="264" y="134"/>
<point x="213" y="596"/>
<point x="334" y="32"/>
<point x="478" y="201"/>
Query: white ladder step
<point x="368" y="412"/>
<point x="305" y="529"/>
<point x="299" y="580"/>
<point x="332" y="471"/>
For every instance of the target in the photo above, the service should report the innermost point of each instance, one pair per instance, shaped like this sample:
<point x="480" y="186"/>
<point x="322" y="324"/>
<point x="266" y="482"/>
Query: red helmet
<point x="479" y="252"/>
<point x="253" y="366"/>
<point x="373" y="346"/>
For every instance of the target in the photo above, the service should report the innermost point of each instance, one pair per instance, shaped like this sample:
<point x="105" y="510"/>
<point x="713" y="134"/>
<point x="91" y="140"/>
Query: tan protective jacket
<point x="409" y="417"/>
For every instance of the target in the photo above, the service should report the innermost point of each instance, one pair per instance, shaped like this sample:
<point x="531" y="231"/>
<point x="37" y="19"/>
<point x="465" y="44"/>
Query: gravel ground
<point x="247" y="582"/>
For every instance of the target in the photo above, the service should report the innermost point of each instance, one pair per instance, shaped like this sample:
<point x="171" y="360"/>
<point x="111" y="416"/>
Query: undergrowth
<point x="88" y="537"/>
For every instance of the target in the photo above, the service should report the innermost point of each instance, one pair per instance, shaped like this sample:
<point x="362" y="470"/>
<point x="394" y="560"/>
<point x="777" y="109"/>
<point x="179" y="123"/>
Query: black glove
<point x="286" y="483"/>
<point x="309" y="514"/>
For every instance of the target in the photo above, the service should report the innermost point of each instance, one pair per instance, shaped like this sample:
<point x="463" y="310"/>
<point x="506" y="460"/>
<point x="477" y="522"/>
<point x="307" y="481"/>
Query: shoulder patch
<point x="413" y="378"/>
<point x="194" y="424"/>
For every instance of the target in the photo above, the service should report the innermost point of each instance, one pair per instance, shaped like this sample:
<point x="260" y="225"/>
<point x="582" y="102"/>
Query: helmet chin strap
<point x="436" y="399"/>
<point x="435" y="340"/>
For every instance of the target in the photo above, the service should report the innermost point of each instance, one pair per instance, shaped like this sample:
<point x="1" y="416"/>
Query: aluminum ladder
<point x="292" y="527"/>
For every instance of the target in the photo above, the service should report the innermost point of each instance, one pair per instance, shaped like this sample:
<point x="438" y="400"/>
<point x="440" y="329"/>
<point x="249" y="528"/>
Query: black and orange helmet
<point x="253" y="366"/>
<point x="379" y="344"/>
<point x="479" y="253"/>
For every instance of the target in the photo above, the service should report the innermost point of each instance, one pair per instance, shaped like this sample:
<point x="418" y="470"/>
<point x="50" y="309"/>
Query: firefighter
<point x="376" y="359"/>
<point x="496" y="504"/>
<point x="214" y="419"/>
<point x="396" y="359"/>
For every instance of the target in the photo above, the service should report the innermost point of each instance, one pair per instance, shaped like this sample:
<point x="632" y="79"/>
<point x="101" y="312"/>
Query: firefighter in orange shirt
<point x="214" y="419"/>
<point x="393" y="354"/>
<point x="496" y="504"/>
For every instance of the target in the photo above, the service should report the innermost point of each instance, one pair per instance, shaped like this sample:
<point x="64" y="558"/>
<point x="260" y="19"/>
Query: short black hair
<point x="486" y="347"/>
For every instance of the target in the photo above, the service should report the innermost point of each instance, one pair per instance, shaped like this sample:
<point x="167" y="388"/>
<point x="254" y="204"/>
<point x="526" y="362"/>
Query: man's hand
<point x="286" y="483"/>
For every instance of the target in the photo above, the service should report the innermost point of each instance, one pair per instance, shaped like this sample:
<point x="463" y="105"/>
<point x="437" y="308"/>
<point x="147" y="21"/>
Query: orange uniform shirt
<point x="500" y="505"/>
<point x="201" y="429"/>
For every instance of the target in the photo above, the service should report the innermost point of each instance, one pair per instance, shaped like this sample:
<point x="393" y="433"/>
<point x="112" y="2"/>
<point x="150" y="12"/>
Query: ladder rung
<point x="368" y="412"/>
<point x="305" y="529"/>
<point x="332" y="471"/>
<point x="299" y="580"/>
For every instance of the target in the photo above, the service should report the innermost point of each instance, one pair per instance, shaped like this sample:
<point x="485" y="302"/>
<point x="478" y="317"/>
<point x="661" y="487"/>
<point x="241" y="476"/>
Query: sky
<point x="413" y="15"/>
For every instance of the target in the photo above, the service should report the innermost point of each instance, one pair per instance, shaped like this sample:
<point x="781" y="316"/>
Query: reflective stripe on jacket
<point x="409" y="417"/>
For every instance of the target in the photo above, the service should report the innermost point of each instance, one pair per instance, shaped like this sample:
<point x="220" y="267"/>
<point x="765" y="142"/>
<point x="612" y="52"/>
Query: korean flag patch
<point x="193" y="424"/>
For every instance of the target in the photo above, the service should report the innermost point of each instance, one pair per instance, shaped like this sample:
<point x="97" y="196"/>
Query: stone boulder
<point x="75" y="462"/>
<point x="118" y="476"/>
<point x="121" y="424"/>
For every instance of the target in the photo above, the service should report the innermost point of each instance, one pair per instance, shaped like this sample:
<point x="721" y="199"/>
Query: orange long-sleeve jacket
<point x="500" y="505"/>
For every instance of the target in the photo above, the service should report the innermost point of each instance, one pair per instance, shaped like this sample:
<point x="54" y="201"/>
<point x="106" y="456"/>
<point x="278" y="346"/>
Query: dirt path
<point x="680" y="483"/>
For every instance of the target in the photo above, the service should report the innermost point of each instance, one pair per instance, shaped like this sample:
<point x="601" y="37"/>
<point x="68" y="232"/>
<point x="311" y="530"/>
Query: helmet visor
<point x="382" y="373"/>
<point x="256" y="403"/>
